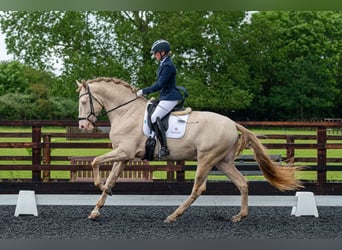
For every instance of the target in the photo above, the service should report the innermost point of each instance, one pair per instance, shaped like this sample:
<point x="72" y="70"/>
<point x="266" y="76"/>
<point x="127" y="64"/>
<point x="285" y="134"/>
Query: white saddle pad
<point x="177" y="126"/>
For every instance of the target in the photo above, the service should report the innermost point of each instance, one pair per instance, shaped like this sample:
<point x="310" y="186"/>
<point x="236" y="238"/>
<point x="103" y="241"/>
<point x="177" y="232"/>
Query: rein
<point x="121" y="105"/>
<point x="92" y="110"/>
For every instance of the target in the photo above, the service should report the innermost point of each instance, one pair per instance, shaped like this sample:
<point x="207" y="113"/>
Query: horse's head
<point x="89" y="106"/>
<point x="110" y="94"/>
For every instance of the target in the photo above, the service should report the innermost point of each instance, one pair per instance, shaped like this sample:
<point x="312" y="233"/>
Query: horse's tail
<point x="281" y="177"/>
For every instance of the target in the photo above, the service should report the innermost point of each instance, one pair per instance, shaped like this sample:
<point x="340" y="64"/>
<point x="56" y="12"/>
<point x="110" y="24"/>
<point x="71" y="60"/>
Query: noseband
<point x="92" y="110"/>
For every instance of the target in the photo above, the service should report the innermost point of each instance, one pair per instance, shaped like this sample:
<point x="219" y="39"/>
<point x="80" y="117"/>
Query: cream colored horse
<point x="210" y="138"/>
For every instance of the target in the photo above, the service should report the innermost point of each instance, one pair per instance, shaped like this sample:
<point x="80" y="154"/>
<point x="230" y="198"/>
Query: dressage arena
<point x="146" y="222"/>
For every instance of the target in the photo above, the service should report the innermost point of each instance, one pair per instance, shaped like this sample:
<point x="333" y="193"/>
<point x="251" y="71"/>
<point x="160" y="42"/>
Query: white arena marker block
<point x="26" y="204"/>
<point x="306" y="205"/>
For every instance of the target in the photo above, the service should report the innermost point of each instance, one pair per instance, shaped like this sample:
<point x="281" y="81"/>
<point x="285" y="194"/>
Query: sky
<point x="3" y="50"/>
<point x="5" y="57"/>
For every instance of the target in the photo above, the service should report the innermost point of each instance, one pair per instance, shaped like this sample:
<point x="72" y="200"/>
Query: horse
<point x="210" y="138"/>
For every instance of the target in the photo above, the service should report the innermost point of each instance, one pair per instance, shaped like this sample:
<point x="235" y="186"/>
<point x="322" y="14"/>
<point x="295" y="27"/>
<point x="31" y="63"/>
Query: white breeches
<point x="163" y="108"/>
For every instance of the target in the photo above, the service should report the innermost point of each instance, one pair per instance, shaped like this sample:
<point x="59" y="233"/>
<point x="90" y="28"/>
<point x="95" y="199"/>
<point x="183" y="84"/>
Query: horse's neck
<point x="123" y="106"/>
<point x="132" y="111"/>
<point x="120" y="102"/>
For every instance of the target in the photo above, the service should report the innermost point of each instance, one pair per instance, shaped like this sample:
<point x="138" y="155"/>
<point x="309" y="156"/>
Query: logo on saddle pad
<point x="176" y="124"/>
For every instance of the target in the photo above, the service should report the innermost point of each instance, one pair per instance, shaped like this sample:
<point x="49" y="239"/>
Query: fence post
<point x="36" y="151"/>
<point x="321" y="155"/>
<point x="180" y="175"/>
<point x="46" y="156"/>
<point x="170" y="173"/>
<point x="290" y="148"/>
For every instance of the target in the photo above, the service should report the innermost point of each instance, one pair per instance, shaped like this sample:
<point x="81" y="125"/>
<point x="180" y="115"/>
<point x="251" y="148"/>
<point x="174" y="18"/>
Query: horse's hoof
<point x="169" y="220"/>
<point x="94" y="215"/>
<point x="238" y="217"/>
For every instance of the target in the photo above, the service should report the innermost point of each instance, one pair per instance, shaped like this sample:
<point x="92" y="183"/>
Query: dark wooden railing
<point x="42" y="144"/>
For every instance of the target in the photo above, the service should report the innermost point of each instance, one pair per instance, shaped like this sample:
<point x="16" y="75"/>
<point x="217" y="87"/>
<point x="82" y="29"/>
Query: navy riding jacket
<point x="166" y="82"/>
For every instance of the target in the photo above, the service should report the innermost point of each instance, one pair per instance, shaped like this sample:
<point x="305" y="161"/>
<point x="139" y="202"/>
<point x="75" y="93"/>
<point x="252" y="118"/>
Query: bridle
<point x="92" y="110"/>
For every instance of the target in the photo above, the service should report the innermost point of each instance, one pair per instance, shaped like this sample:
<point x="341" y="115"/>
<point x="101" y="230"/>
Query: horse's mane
<point x="113" y="80"/>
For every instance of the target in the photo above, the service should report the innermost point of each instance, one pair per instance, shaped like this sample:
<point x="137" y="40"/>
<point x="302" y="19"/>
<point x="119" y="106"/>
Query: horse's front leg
<point x="115" y="173"/>
<point x="96" y="173"/>
<point x="117" y="154"/>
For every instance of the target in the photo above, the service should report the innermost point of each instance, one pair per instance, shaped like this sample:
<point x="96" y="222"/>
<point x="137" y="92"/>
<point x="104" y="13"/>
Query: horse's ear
<point x="79" y="85"/>
<point x="84" y="84"/>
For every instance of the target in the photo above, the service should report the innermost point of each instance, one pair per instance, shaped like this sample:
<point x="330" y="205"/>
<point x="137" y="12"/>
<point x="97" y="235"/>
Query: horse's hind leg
<point x="115" y="173"/>
<point x="198" y="187"/>
<point x="228" y="168"/>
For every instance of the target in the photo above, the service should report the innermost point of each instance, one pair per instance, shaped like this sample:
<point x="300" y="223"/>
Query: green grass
<point x="331" y="176"/>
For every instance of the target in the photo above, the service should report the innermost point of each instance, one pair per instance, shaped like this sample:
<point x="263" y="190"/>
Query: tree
<point x="41" y="39"/>
<point x="299" y="54"/>
<point x="12" y="78"/>
<point x="280" y="65"/>
<point x="27" y="93"/>
<point x="118" y="43"/>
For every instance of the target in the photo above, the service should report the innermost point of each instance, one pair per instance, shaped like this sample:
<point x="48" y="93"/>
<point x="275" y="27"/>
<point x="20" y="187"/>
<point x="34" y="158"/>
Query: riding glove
<point x="140" y="92"/>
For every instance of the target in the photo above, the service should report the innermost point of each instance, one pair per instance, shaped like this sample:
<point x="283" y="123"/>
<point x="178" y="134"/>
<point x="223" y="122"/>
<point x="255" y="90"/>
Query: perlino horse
<point x="210" y="138"/>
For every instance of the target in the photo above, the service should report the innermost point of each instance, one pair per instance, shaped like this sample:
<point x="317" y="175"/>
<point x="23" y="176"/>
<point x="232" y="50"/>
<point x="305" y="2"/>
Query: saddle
<point x="177" y="110"/>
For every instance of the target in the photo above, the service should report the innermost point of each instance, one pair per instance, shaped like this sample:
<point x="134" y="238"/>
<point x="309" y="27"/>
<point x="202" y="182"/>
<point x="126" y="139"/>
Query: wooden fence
<point x="42" y="160"/>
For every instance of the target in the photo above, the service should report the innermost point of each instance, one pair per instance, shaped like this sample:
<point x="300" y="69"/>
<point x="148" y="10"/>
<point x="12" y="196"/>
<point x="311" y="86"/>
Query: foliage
<point x="16" y="106"/>
<point x="118" y="44"/>
<point x="63" y="108"/>
<point x="27" y="93"/>
<point x="12" y="78"/>
<point x="277" y="66"/>
<point x="298" y="63"/>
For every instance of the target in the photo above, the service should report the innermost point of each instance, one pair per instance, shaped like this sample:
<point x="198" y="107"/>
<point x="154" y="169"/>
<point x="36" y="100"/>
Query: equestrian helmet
<point x="160" y="45"/>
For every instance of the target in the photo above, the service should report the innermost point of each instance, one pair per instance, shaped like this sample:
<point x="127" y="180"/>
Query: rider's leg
<point x="160" y="132"/>
<point x="163" y="108"/>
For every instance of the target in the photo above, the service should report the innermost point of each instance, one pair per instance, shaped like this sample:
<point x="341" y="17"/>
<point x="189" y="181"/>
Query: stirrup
<point x="163" y="152"/>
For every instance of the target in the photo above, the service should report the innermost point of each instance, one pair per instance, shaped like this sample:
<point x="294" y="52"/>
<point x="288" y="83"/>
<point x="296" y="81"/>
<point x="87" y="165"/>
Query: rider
<point x="169" y="95"/>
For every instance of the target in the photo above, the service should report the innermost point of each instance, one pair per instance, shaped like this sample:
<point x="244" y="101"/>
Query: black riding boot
<point x="160" y="132"/>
